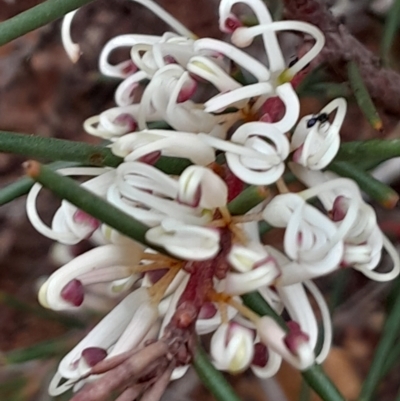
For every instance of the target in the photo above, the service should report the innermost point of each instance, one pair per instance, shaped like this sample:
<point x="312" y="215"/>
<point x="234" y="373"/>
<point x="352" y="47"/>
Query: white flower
<point x="64" y="289"/>
<point x="232" y="347"/>
<point x="315" y="140"/>
<point x="124" y="328"/>
<point x="250" y="157"/>
<point x="201" y="187"/>
<point x="140" y="145"/>
<point x="311" y="239"/>
<point x="149" y="195"/>
<point x="257" y="269"/>
<point x="294" y="346"/>
<point x="71" y="225"/>
<point x="185" y="241"/>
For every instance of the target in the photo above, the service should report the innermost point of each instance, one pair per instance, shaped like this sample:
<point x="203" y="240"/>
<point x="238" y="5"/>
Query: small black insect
<point x="322" y="118"/>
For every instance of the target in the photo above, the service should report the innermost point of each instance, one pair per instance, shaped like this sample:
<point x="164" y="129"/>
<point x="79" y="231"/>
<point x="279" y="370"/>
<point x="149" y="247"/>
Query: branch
<point x="341" y="46"/>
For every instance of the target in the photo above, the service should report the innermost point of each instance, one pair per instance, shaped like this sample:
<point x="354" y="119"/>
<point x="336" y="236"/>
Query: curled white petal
<point x="169" y="143"/>
<point x="72" y="49"/>
<point x="320" y="142"/>
<point x="272" y="335"/>
<point x="65" y="229"/>
<point x="97" y="258"/>
<point x="105" y="334"/>
<point x="185" y="241"/>
<point x="166" y="17"/>
<point x="199" y="186"/>
<point x="232" y="347"/>
<point x="273" y="50"/>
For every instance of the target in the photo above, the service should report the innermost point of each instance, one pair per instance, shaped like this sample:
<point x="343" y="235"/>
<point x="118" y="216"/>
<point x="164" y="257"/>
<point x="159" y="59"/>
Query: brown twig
<point x="341" y="46"/>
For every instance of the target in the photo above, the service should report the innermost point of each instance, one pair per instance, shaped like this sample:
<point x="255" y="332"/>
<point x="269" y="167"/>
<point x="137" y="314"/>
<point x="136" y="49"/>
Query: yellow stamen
<point x="157" y="290"/>
<point x="244" y="310"/>
<point x="282" y="187"/>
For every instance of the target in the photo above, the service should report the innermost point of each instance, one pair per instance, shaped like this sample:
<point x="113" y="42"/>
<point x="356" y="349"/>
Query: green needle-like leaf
<point x="362" y="96"/>
<point x="390" y="333"/>
<point x="66" y="188"/>
<point x="247" y="199"/>
<point x="392" y="24"/>
<point x="369" y="153"/>
<point x="376" y="189"/>
<point x="13" y="302"/>
<point x="36" y="17"/>
<point x="53" y="149"/>
<point x="212" y="378"/>
<point x="23" y="186"/>
<point x="43" y="350"/>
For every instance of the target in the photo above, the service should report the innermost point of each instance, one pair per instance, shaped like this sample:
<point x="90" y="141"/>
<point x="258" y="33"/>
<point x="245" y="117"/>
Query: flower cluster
<point x="198" y="258"/>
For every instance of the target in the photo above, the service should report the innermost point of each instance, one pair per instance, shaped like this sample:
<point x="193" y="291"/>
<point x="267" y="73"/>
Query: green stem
<point x="53" y="149"/>
<point x="13" y="302"/>
<point x="390" y="332"/>
<point x="172" y="165"/>
<point x="321" y="384"/>
<point x="68" y="189"/>
<point x="257" y="303"/>
<point x="376" y="189"/>
<point x="375" y="150"/>
<point x="305" y="391"/>
<point x="43" y="350"/>
<point x="23" y="186"/>
<point x="247" y="199"/>
<point x="36" y="17"/>
<point x="212" y="378"/>
<point x="392" y="23"/>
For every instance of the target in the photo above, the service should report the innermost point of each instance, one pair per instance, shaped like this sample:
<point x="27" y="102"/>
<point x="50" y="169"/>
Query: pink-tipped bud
<point x="187" y="91"/>
<point x="295" y="337"/>
<point x="194" y="201"/>
<point x="168" y="59"/>
<point x="81" y="217"/>
<point x="339" y="208"/>
<point x="73" y="293"/>
<point x="207" y="311"/>
<point x="260" y="355"/>
<point x="126" y="120"/>
<point x="232" y="23"/>
<point x="266" y="118"/>
<point x="129" y="68"/>
<point x="298" y="153"/>
<point x="151" y="158"/>
<point x="274" y="107"/>
<point x="93" y="355"/>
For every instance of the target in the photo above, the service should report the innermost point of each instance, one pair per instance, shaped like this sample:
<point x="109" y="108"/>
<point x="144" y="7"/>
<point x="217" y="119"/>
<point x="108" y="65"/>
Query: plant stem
<point x="23" y="186"/>
<point x="68" y="189"/>
<point x="390" y="332"/>
<point x="36" y="17"/>
<point x="212" y="378"/>
<point x="375" y="151"/>
<point x="247" y="199"/>
<point x="57" y="149"/>
<point x="389" y="33"/>
<point x="376" y="189"/>
<point x="321" y="384"/>
<point x="42" y="350"/>
<point x="257" y="303"/>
